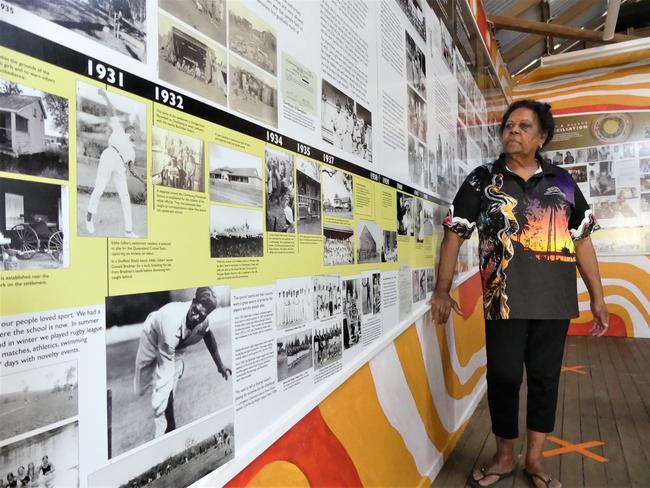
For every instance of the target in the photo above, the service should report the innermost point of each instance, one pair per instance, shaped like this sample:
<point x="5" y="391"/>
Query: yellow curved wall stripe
<point x="289" y="473"/>
<point x="378" y="451"/>
<point x="469" y="333"/>
<point x="615" y="309"/>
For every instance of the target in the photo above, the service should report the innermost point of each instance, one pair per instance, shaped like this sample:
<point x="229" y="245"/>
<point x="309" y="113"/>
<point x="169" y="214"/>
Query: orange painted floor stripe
<point x="580" y="448"/>
<point x="579" y="369"/>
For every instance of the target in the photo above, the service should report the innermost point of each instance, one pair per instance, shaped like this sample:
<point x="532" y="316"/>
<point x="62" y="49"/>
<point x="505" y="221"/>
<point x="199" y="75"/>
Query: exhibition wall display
<point x="212" y="211"/>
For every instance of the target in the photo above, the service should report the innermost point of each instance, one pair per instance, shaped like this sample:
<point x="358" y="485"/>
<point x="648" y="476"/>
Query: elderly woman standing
<point x="534" y="226"/>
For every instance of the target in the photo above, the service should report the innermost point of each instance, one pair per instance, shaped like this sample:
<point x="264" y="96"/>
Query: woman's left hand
<point x="601" y="318"/>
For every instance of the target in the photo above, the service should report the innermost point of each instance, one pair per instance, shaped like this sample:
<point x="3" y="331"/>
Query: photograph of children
<point x="579" y="173"/>
<point x="280" y="211"/>
<point x="369" y="242"/>
<point x="168" y="361"/>
<point x="416" y="73"/>
<point x="180" y="460"/>
<point x="252" y="38"/>
<point x="417" y="115"/>
<point x="429" y="272"/>
<point x="294" y="354"/>
<point x="417" y="154"/>
<point x="344" y="123"/>
<point x="351" y="312"/>
<point x="177" y="160"/>
<point x="389" y="250"/>
<point x="116" y="24"/>
<point x="48" y="459"/>
<point x="34" y="225"/>
<point x="338" y="245"/>
<point x="191" y="61"/>
<point x="235" y="177"/>
<point x="327" y="344"/>
<point x="111" y="164"/>
<point x="327" y="296"/>
<point x="337" y="193"/>
<point x="33" y="132"/>
<point x="371" y="294"/>
<point x="569" y="158"/>
<point x="601" y="181"/>
<point x="235" y="232"/>
<point x="37" y="397"/>
<point x="415" y="14"/>
<point x="418" y="220"/>
<point x="309" y="197"/>
<point x="293" y="302"/>
<point x="643" y="148"/>
<point x="206" y="16"/>
<point x="592" y="154"/>
<point x="253" y="92"/>
<point x="404" y="214"/>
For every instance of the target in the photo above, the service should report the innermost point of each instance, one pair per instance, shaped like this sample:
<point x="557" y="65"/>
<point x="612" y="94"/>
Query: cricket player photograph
<point x="168" y="362"/>
<point x="111" y="164"/>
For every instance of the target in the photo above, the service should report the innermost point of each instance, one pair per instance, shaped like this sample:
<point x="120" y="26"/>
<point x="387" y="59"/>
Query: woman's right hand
<point x="441" y="305"/>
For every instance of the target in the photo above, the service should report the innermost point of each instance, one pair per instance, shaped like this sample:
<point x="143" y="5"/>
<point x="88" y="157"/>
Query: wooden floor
<point x="609" y="403"/>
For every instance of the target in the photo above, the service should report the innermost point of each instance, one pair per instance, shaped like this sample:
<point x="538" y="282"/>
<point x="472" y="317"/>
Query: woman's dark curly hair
<point x="543" y="112"/>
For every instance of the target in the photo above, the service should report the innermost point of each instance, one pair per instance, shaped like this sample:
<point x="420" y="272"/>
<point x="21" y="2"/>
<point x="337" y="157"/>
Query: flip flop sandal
<point x="531" y="478"/>
<point x="474" y="483"/>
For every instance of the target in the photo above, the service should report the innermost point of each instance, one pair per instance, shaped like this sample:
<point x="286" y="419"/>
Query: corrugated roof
<point x="15" y="102"/>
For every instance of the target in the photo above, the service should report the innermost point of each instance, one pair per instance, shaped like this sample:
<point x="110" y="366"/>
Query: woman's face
<point x="522" y="134"/>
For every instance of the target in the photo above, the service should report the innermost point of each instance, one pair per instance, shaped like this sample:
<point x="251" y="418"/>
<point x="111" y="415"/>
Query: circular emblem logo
<point x="612" y="128"/>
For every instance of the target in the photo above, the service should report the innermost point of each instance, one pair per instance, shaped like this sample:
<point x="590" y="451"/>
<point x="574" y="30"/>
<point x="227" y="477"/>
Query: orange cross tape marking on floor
<point x="579" y="369"/>
<point x="569" y="447"/>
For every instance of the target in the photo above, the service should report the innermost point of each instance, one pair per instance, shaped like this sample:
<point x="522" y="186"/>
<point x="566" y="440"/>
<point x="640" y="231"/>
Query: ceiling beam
<point x="520" y="7"/>
<point x="565" y="18"/>
<point x="555" y="30"/>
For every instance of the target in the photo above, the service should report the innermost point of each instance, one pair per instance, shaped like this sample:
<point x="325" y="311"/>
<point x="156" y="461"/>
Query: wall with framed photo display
<point x="227" y="220"/>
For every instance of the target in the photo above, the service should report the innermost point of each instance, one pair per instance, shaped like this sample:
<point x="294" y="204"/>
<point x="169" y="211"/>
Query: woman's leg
<point x="544" y="352"/>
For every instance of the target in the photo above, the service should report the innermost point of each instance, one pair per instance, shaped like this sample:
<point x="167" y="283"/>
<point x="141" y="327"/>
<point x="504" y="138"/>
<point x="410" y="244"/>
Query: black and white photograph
<point x="429" y="280"/>
<point x="251" y="37"/>
<point x="206" y="16"/>
<point x="38" y="397"/>
<point x="645" y="202"/>
<point x="417" y="159"/>
<point x="404" y="214"/>
<point x="643" y="148"/>
<point x="415" y="14"/>
<point x="416" y="72"/>
<point x="351" y="294"/>
<point x="48" y="459"/>
<point x="34" y="225"/>
<point x="370" y="294"/>
<point x="235" y="177"/>
<point x="33" y="132"/>
<point x="616" y="210"/>
<point x="338" y="245"/>
<point x="293" y="302"/>
<point x="168" y="362"/>
<point x="328" y="345"/>
<point x="177" y="160"/>
<point x="629" y="150"/>
<point x="235" y="232"/>
<point x="601" y="180"/>
<point x="447" y="47"/>
<point x="415" y="281"/>
<point x="417" y="115"/>
<point x="280" y="205"/>
<point x="345" y="123"/>
<point x="191" y="61"/>
<point x="111" y="164"/>
<point x="578" y="173"/>
<point x="427" y="218"/>
<point x="309" y="197"/>
<point x="419" y="285"/>
<point x="432" y="183"/>
<point x="369" y="242"/>
<point x="645" y="182"/>
<point x="604" y="153"/>
<point x="644" y="165"/>
<point x="180" y="460"/>
<point x="253" y="92"/>
<point x="294" y="354"/>
<point x="327" y="296"/>
<point x="418" y="220"/>
<point x="337" y="193"/>
<point x="389" y="250"/>
<point x="116" y="24"/>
